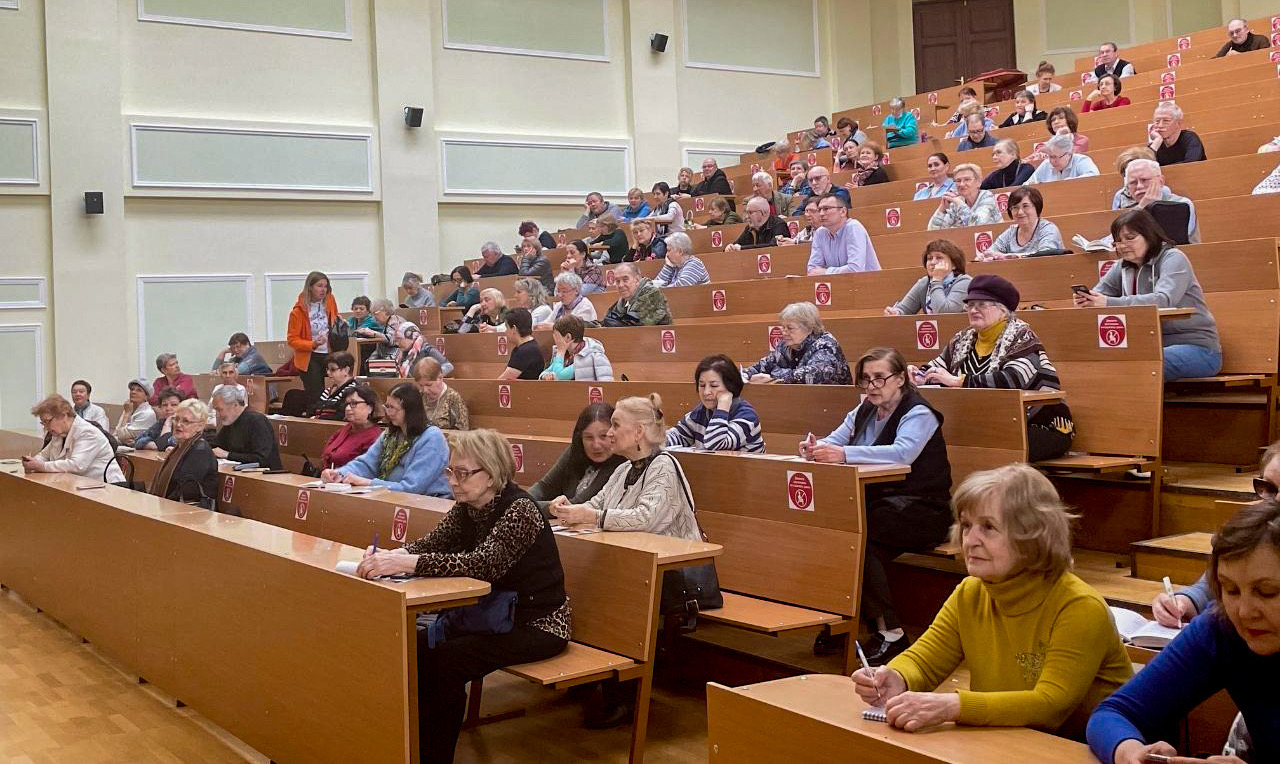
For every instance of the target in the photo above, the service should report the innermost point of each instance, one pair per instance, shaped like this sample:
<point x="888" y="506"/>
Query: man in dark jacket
<point x="713" y="181"/>
<point x="495" y="262"/>
<point x="243" y="435"/>
<point x="763" y="229"/>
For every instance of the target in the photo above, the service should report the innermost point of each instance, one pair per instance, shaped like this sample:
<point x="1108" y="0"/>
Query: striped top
<point x="737" y="429"/>
<point x="692" y="273"/>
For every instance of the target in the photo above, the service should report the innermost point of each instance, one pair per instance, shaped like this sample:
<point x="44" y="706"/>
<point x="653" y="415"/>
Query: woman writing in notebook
<point x="1040" y="644"/>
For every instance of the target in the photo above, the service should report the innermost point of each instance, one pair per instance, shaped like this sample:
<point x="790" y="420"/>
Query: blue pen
<point x="375" y="543"/>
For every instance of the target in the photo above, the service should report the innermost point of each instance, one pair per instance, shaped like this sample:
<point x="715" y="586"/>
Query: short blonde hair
<point x="497" y="295"/>
<point x="648" y="414"/>
<point x="426" y="369"/>
<point x="805" y="314"/>
<point x="1035" y="519"/>
<point x="967" y="167"/>
<point x="196" y="407"/>
<point x="490" y="450"/>
<point x="609" y="221"/>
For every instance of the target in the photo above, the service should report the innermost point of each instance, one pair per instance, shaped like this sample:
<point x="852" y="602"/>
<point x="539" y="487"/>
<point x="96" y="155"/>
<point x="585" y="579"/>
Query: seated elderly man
<point x="762" y="187"/>
<point x="682" y="267"/>
<point x="900" y="127"/>
<point x="1172" y="144"/>
<point x="243" y="436"/>
<point x="978" y="136"/>
<point x="764" y="229"/>
<point x="495" y="262"/>
<point x="597" y="206"/>
<point x="1109" y="62"/>
<point x="1241" y="40"/>
<point x="713" y="180"/>
<point x="1143" y="185"/>
<point x="842" y="244"/>
<point x="820" y="185"/>
<point x="640" y="301"/>
<point x="1063" y="163"/>
<point x="243" y="354"/>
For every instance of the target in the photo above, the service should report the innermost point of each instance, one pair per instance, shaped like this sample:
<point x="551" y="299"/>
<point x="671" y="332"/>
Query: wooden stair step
<point x="1182" y="557"/>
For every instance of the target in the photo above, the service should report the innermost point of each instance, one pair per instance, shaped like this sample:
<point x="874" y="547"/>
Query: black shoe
<point x="609" y="715"/>
<point x="827" y="643"/>
<point x="879" y="651"/>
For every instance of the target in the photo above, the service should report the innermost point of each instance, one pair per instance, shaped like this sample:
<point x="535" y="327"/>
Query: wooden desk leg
<point x="640" y="720"/>
<point x="473" y="703"/>
<point x="411" y="659"/>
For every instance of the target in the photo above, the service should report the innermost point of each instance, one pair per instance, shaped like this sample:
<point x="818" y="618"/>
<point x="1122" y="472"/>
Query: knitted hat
<point x="994" y="288"/>
<point x="144" y="384"/>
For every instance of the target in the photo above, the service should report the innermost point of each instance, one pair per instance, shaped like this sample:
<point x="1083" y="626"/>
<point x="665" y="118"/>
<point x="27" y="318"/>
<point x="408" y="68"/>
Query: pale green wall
<point x="327" y="16"/>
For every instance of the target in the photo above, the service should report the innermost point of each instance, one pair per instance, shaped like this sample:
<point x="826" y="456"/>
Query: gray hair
<point x="763" y="177"/>
<point x="163" y="359"/>
<point x="1174" y="109"/>
<point x="1150" y="164"/>
<point x="896" y="103"/>
<point x="596" y="194"/>
<point x="805" y="314"/>
<point x="681" y="241"/>
<point x="410" y="278"/>
<point x="713" y="161"/>
<point x="1061" y="143"/>
<point x="490" y="246"/>
<point x="382" y="304"/>
<point x="230" y="394"/>
<point x="762" y="202"/>
<point x="1010" y="145"/>
<point x="628" y="267"/>
<point x="534" y="288"/>
<point x="570" y="279"/>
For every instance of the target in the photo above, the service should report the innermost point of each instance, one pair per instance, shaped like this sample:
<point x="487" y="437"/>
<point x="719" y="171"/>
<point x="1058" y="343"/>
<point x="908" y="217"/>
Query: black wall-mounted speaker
<point x="93" y="202"/>
<point x="413" y="116"/>
<point x="658" y="42"/>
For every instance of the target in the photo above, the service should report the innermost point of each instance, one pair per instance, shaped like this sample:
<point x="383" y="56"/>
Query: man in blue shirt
<point x="841" y="245"/>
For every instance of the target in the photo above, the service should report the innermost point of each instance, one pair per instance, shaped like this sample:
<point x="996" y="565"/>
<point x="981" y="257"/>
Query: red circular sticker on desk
<point x="822" y="293"/>
<point x="1113" y="331"/>
<point x="800" y="490"/>
<point x="1275" y="23"/>
<point x="916" y="112"/>
<point x="1076" y="95"/>
<point x="885" y="159"/>
<point x="595" y="394"/>
<point x="992" y="112"/>
<point x="755" y="168"/>
<point x="504" y="396"/>
<point x="933" y="98"/>
<point x="982" y="241"/>
<point x="502" y="344"/>
<point x="699" y="204"/>
<point x="775" y="337"/>
<point x="562" y="238"/>
<point x="719" y="301"/>
<point x="1002" y="202"/>
<point x="717" y="239"/>
<point x="1168" y="78"/>
<point x="304" y="502"/>
<point x="610" y="278"/>
<point x="424" y="316"/>
<point x="893" y="215"/>
<point x="1275" y="40"/>
<point x="1184" y="43"/>
<point x="1086" y="78"/>
<point x="1104" y="266"/>
<point x="813" y="158"/>
<point x="399" y="524"/>
<point x="668" y="340"/>
<point x="764" y="263"/>
<point x="1275" y="56"/>
<point x="228" y="488"/>
<point x="440" y="344"/>
<point x="926" y="335"/>
<point x="517" y="454"/>
<point x="282" y="434"/>
<point x="793" y="226"/>
<point x="1173" y="61"/>
<point x="1166" y="92"/>
<point x="877" y="110"/>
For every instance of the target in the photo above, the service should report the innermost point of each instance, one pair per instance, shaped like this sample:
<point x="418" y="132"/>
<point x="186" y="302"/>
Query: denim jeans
<point x="1183" y="361"/>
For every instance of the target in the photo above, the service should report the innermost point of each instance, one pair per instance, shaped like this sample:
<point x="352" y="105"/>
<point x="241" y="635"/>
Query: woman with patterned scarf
<point x="409" y="456"/>
<point x="1001" y="350"/>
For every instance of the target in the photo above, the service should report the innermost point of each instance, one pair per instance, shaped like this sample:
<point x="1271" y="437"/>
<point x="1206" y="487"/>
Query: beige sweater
<point x="655" y="503"/>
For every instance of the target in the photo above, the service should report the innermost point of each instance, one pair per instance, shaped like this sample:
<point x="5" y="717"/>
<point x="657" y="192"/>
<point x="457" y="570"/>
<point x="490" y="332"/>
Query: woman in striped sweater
<point x="724" y="421"/>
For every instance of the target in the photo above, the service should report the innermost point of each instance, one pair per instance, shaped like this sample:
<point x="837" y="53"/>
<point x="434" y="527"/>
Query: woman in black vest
<point x="495" y="533"/>
<point x="894" y="425"/>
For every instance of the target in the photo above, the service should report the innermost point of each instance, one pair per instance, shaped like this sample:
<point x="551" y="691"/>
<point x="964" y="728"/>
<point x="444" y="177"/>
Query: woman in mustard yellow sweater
<point x="1040" y="644"/>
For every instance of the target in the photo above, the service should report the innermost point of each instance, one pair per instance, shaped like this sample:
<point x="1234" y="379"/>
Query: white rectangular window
<point x="192" y="316"/>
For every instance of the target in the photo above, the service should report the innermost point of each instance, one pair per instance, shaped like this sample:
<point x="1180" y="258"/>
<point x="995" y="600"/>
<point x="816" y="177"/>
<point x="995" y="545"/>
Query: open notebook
<point x="1140" y="632"/>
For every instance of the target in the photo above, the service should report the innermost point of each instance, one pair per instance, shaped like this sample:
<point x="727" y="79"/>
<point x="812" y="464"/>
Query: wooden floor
<point x="60" y="702"/>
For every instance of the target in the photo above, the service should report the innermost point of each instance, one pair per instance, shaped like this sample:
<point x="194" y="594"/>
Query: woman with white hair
<point x="682" y="268"/>
<point x="968" y="204"/>
<point x="900" y="126"/>
<point x="572" y="301"/>
<point x="1062" y="163"/>
<point x="1010" y="169"/>
<point x="488" y="315"/>
<point x="1040" y="644"/>
<point x="808" y="353"/>
<point x="529" y="294"/>
<point x="415" y="294"/>
<point x="190" y="470"/>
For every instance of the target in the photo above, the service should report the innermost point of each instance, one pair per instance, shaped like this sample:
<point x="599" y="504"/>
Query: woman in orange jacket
<point x="309" y="323"/>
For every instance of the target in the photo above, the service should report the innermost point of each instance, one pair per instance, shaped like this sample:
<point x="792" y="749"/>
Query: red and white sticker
<point x="399" y="524"/>
<point x="793" y="226"/>
<point x="595" y="394"/>
<point x="517" y="454"/>
<point x="228" y="488"/>
<point x="1168" y="78"/>
<point x="504" y="396"/>
<point x="1275" y="23"/>
<point x="812" y="158"/>
<point x="304" y="502"/>
<point x="1173" y="60"/>
<point x="502" y="344"/>
<point x="1087" y="77"/>
<point x="755" y="168"/>
<point x="282" y="434"/>
<point x="800" y="491"/>
<point x="440" y="344"/>
<point x="719" y="300"/>
<point x="668" y="340"/>
<point x="982" y="241"/>
<point x="1104" y="266"/>
<point x="926" y="335"/>
<point x="1039" y="146"/>
<point x="916" y="112"/>
<point x="699" y="204"/>
<point x="717" y="239"/>
<point x="1002" y="202"/>
<point x="610" y="278"/>
<point x="475" y="265"/>
<point x="1275" y="39"/>
<point x="424" y="316"/>
<point x="885" y="159"/>
<point x="561" y="238"/>
<point x="893" y="215"/>
<point x="764" y="264"/>
<point x="933" y="98"/>
<point x="795" y="146"/>
<point x="1113" y="331"/>
<point x="822" y="293"/>
<point x="1184" y="43"/>
<point x="1275" y="56"/>
<point x="877" y="110"/>
<point x="1166" y="92"/>
<point x="775" y="337"/>
<point x="1076" y="95"/>
<point x="991" y="112"/>
<point x="922" y="184"/>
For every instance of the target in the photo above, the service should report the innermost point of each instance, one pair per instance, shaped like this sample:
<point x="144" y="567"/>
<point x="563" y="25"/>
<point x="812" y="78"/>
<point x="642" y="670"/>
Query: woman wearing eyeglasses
<point x="190" y="470"/>
<point x="75" y="445"/>
<point x="408" y="456"/>
<point x="893" y="425"/>
<point x="496" y="533"/>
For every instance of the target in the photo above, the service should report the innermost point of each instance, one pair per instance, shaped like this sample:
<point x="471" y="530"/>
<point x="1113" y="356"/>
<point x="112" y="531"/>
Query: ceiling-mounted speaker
<point x="658" y="42"/>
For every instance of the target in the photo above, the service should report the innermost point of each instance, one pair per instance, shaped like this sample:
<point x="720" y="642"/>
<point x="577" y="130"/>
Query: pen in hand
<point x="870" y="671"/>
<point x="1173" y="603"/>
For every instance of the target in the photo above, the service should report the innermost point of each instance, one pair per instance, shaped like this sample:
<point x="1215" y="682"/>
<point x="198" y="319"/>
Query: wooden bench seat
<point x="1093" y="463"/>
<point x="577" y="664"/>
<point x="768" y="617"/>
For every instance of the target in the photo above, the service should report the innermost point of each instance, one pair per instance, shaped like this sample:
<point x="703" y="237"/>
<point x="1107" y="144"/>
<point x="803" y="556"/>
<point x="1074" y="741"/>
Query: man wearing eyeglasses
<point x="1062" y="163"/>
<point x="1190" y="601"/>
<point x="1241" y="40"/>
<point x="842" y="244"/>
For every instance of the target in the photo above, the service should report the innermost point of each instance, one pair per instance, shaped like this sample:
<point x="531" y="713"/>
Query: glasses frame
<point x="1265" y="489"/>
<point x="871" y="382"/>
<point x="461" y="475"/>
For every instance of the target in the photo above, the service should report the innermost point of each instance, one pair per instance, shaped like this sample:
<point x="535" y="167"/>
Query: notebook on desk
<point x="875" y="714"/>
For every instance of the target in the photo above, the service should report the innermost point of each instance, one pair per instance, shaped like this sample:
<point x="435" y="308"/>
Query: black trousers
<point x="896" y="524"/>
<point x="313" y="377"/>
<point x="1046" y="443"/>
<point x="443" y="673"/>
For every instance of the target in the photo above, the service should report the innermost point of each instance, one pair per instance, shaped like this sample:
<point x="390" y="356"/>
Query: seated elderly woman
<point x="649" y="245"/>
<point x="724" y="421"/>
<point x="1010" y="169"/>
<point x="576" y="261"/>
<point x="640" y="301"/>
<point x="1106" y="95"/>
<point x="488" y="315"/>
<point x="361" y="316"/>
<point x="1024" y="110"/>
<point x="1040" y="645"/>
<point x="940" y="182"/>
<point x="1062" y="162"/>
<point x="415" y="294"/>
<point x="466" y="293"/>
<point x="968" y="204"/>
<point x="532" y="262"/>
<point x="611" y="241"/>
<point x="721" y="214"/>
<point x="586" y="465"/>
<point x="683" y="268"/>
<point x="1030" y="234"/>
<point x="571" y="302"/>
<point x="807" y="354"/>
<point x="1000" y="350"/>
<point x="900" y="126"/>
<point x="892" y="425"/>
<point x="943" y="286"/>
<point x="75" y="445"/>
<point x="575" y="356"/>
<point x="384" y="328"/>
<point x="798" y="169"/>
<point x="358" y="432"/>
<point x="136" y="416"/>
<point x="159" y="436"/>
<point x="340" y="378"/>
<point x="494" y="533"/>
<point x="190" y="470"/>
<point x="1153" y="271"/>
<point x="171" y="375"/>
<point x="1231" y="646"/>
<point x="867" y="169"/>
<point x="528" y="293"/>
<point x="409" y="456"/>
<point x="413" y="347"/>
<point x="444" y="406"/>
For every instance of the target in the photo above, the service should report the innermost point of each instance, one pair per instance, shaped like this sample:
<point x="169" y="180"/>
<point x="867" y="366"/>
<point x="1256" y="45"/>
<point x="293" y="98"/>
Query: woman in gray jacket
<point x="943" y="287"/>
<point x="1152" y="271"/>
<point x="576" y="356"/>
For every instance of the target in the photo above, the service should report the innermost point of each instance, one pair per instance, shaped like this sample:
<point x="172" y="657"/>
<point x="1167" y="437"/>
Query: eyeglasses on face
<point x="459" y="474"/>
<point x="979" y="304"/>
<point x="873" y="383"/>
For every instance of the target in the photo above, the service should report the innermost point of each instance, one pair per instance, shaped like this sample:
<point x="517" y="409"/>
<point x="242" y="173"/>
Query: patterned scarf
<point x="860" y="173"/>
<point x="1016" y="339"/>
<point x="394" y="447"/>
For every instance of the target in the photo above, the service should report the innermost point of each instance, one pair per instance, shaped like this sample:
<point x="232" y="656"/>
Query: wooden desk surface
<point x="818" y="717"/>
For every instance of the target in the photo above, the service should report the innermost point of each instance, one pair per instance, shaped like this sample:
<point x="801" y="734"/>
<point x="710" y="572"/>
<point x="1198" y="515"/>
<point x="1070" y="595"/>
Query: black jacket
<point x="766" y="236"/>
<point x="1005" y="177"/>
<point x="250" y="439"/>
<point x="563" y="478"/>
<point x="930" y="476"/>
<point x="196" y="476"/>
<point x="716" y="184"/>
<point x="505" y="266"/>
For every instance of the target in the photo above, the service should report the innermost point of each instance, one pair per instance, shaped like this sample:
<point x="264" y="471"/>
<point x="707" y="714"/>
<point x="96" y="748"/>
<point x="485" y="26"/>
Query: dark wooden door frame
<point x="966" y="64"/>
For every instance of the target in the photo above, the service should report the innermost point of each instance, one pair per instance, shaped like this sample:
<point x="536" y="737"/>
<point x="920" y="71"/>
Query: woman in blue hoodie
<point x="724" y="421"/>
<point x="409" y="456"/>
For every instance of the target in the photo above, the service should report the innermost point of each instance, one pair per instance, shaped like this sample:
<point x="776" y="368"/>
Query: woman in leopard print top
<point x="496" y="533"/>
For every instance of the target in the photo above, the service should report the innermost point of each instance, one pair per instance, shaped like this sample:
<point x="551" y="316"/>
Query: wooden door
<point x="961" y="38"/>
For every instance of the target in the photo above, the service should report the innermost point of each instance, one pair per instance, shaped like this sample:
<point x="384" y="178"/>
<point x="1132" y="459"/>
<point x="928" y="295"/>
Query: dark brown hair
<point x="570" y="326"/>
<point x="1067" y="113"/>
<point x="1115" y="82"/>
<point x="945" y="247"/>
<point x="895" y="359"/>
<point x="1254" y="526"/>
<point x="1142" y="223"/>
<point x="1027" y="192"/>
<point x="723" y="365"/>
<point x="415" y="412"/>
